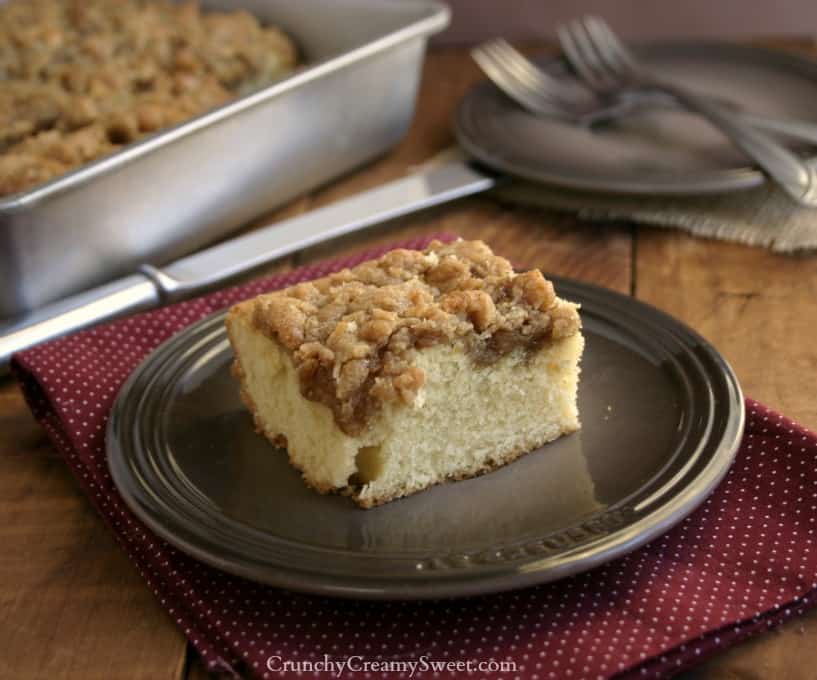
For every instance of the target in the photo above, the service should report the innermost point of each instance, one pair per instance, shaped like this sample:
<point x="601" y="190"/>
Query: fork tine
<point x="536" y="79"/>
<point x="521" y="62"/>
<point x="605" y="37"/>
<point x="525" y="73"/>
<point x="593" y="57"/>
<point x="495" y="68"/>
<point x="536" y="86"/>
<point x="495" y="71"/>
<point x="607" y="53"/>
<point x="485" y="61"/>
<point x="511" y="62"/>
<point x="575" y="57"/>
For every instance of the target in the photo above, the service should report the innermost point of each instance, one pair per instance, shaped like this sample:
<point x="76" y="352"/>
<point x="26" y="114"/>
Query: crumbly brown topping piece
<point x="81" y="78"/>
<point x="352" y="334"/>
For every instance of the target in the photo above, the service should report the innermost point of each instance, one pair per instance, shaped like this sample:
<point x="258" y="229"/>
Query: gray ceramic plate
<point x="654" y="151"/>
<point x="662" y="415"/>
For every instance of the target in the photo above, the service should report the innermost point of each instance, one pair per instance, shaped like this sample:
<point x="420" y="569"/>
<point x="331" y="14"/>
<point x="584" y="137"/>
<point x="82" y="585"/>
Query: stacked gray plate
<point x="650" y="151"/>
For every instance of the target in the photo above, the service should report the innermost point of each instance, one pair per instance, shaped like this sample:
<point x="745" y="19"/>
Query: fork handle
<point x="794" y="130"/>
<point x="797" y="178"/>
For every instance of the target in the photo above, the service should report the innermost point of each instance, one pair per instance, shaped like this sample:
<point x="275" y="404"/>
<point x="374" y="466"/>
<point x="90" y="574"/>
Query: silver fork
<point x="602" y="61"/>
<point x="526" y="83"/>
<point x="542" y="94"/>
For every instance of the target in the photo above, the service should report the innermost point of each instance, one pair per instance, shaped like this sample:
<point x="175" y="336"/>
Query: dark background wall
<point x="530" y="19"/>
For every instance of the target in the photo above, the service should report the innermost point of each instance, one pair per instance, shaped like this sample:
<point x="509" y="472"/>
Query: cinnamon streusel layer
<point x="352" y="335"/>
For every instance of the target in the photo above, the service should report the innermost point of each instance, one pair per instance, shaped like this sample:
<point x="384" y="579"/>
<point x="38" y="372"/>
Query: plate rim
<point x="717" y="181"/>
<point x="458" y="579"/>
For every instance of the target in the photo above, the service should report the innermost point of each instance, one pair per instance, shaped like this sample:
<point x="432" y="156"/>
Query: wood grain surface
<point x="72" y="606"/>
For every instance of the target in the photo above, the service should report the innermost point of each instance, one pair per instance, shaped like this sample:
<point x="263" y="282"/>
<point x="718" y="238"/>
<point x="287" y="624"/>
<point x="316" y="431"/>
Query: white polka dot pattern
<point x="742" y="563"/>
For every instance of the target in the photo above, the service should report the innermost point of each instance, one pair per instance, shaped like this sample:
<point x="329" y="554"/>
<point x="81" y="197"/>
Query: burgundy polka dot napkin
<point x="742" y="563"/>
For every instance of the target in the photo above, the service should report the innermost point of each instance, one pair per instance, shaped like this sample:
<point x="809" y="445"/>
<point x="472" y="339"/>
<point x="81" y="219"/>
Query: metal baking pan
<point x="184" y="187"/>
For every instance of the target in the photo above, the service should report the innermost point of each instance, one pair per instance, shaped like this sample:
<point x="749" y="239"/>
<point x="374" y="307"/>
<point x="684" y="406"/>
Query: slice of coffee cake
<point x="410" y="370"/>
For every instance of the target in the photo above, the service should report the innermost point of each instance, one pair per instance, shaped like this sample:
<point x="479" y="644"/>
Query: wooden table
<point x="72" y="606"/>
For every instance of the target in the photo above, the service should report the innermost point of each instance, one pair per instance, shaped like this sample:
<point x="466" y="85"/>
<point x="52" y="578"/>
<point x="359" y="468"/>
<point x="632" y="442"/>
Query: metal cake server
<point x="152" y="286"/>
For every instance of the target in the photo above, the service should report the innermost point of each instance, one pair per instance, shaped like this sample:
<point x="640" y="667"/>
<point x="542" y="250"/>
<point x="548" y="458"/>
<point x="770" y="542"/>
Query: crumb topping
<point x="81" y="78"/>
<point x="352" y="335"/>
